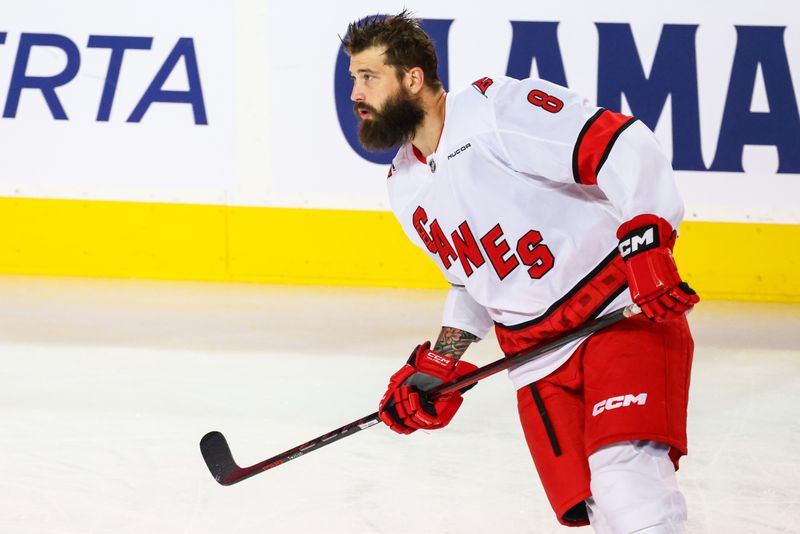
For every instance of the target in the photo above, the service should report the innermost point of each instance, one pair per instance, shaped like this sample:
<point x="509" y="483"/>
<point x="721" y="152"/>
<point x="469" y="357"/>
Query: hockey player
<point x="543" y="211"/>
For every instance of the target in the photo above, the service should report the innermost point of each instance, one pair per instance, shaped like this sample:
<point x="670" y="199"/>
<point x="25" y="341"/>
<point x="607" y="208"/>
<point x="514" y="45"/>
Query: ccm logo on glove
<point x="638" y="241"/>
<point x="435" y="357"/>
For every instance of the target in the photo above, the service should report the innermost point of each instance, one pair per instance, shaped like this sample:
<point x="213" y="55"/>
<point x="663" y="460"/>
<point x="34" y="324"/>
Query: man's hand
<point x="645" y="243"/>
<point x="405" y="407"/>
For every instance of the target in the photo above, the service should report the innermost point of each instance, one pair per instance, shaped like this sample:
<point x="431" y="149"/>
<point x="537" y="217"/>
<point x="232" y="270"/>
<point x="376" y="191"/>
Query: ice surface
<point x="108" y="385"/>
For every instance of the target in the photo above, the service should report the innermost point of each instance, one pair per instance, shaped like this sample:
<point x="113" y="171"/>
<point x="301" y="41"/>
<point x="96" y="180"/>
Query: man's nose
<point x="357" y="95"/>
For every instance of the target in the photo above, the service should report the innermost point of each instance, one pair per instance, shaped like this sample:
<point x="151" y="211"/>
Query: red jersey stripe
<point x="595" y="142"/>
<point x="583" y="302"/>
<point x="418" y="153"/>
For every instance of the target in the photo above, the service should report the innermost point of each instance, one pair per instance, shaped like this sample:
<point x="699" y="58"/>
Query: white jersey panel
<point x="462" y="312"/>
<point x="538" y="137"/>
<point x="638" y="178"/>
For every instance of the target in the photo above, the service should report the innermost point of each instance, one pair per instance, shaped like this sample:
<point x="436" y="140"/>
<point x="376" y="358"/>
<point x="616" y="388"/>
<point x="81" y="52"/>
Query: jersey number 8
<point x="547" y="102"/>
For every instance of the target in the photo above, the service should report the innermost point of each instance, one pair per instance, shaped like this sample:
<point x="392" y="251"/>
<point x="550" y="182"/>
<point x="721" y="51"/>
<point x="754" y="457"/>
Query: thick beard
<point x="393" y="125"/>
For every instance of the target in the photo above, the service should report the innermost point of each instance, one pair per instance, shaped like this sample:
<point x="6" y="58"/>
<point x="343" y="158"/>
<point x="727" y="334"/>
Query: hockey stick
<point x="220" y="461"/>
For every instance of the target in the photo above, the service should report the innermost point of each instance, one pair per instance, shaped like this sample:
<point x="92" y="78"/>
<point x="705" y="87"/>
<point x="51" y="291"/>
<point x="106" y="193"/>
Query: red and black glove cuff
<point x="645" y="232"/>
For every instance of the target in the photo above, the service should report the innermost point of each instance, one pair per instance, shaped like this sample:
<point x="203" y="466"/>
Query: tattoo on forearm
<point x="453" y="342"/>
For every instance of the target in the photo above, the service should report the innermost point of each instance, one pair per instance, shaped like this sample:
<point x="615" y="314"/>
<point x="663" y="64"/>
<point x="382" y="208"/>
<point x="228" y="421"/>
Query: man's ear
<point x="414" y="80"/>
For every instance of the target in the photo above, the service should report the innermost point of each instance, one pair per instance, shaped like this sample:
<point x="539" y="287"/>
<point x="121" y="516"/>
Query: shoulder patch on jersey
<point x="482" y="84"/>
<point x="391" y="170"/>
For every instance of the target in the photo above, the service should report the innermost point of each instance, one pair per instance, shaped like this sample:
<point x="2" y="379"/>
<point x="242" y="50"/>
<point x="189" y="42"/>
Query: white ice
<point x="108" y="385"/>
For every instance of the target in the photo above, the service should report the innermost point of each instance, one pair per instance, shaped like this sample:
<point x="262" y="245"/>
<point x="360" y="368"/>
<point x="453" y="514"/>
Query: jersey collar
<point x="417" y="152"/>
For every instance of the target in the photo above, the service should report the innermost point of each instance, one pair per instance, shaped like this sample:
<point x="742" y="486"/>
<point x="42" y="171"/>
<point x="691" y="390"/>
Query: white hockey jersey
<point x="519" y="206"/>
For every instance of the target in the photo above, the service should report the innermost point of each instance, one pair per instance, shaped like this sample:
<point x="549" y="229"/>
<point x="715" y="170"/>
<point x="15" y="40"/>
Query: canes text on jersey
<point x="472" y="253"/>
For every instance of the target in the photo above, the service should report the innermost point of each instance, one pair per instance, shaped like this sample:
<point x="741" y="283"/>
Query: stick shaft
<point x="522" y="358"/>
<point x="217" y="453"/>
<point x="279" y="459"/>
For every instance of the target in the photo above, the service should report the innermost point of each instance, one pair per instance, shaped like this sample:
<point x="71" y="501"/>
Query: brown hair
<point x="407" y="44"/>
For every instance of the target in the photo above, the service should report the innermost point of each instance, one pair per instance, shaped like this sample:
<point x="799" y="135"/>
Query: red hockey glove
<point x="405" y="407"/>
<point x="645" y="243"/>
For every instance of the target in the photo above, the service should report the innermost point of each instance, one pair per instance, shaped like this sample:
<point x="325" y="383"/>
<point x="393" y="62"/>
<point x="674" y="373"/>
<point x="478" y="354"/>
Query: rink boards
<point x="219" y="143"/>
<point x="295" y="246"/>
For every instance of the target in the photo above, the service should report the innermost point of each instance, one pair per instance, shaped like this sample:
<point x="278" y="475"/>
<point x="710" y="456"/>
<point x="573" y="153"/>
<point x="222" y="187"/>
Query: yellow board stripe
<point x="741" y="261"/>
<point x="112" y="239"/>
<point x="336" y="247"/>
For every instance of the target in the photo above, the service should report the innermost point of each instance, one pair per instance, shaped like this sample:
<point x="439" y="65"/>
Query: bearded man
<point x="543" y="211"/>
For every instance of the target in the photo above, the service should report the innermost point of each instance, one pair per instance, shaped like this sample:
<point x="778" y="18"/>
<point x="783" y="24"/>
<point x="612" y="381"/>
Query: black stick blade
<point x="218" y="458"/>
